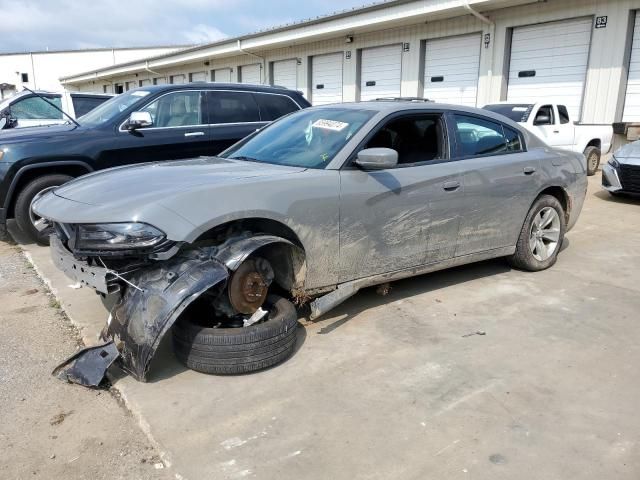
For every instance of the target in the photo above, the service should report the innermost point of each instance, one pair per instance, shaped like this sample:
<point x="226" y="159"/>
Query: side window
<point x="563" y="114"/>
<point x="514" y="144"/>
<point x="35" y="108"/>
<point x="83" y="105"/>
<point x="274" y="106"/>
<point x="544" y="116"/>
<point x="232" y="107"/>
<point x="416" y="138"/>
<point x="478" y="136"/>
<point x="178" y="109"/>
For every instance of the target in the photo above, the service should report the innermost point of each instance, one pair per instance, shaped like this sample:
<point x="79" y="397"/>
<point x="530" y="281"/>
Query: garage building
<point x="469" y="52"/>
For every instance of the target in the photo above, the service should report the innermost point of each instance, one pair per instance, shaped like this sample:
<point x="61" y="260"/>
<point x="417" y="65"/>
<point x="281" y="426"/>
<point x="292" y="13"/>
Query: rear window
<point x="83" y="105"/>
<point x="563" y="114"/>
<point x="274" y="106"/>
<point x="517" y="112"/>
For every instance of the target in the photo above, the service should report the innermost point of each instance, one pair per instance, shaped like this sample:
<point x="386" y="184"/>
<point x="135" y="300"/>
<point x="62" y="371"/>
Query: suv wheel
<point x="541" y="236"/>
<point x="33" y="226"/>
<point x="228" y="351"/>
<point x="593" y="159"/>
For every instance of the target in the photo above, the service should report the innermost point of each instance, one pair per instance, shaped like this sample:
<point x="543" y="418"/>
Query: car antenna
<point x="53" y="105"/>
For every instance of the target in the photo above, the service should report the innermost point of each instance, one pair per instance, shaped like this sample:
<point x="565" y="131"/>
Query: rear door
<point x="233" y="115"/>
<point x="500" y="179"/>
<point x="83" y="104"/>
<point x="180" y="130"/>
<point x="405" y="216"/>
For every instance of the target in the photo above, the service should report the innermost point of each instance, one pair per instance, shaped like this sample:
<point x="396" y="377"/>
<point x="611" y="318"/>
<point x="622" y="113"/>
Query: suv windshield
<point x="309" y="138"/>
<point x="109" y="109"/>
<point x="518" y="112"/>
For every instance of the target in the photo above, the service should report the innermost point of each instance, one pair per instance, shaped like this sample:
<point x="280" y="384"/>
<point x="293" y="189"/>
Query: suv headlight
<point x="613" y="162"/>
<point x="117" y="236"/>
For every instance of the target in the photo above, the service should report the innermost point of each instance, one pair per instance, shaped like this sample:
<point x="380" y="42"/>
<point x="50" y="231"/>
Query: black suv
<point x="162" y="122"/>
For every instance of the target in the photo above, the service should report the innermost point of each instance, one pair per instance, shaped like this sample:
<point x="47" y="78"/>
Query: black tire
<point x="232" y="351"/>
<point x="23" y="205"/>
<point x="524" y="258"/>
<point x="593" y="159"/>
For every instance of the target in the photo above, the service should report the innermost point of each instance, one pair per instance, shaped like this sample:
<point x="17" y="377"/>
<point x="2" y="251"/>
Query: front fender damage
<point x="152" y="302"/>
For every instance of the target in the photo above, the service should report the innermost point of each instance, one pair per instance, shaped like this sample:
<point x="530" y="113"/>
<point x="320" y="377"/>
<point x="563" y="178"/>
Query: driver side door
<point x="406" y="216"/>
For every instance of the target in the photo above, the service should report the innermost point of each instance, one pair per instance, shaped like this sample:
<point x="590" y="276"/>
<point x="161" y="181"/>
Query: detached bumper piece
<point x="88" y="366"/>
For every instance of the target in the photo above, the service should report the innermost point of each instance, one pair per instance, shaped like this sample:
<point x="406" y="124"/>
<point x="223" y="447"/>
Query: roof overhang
<point x="384" y="15"/>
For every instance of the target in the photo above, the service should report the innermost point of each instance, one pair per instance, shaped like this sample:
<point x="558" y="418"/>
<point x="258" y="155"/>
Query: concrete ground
<point x="49" y="429"/>
<point x="391" y="387"/>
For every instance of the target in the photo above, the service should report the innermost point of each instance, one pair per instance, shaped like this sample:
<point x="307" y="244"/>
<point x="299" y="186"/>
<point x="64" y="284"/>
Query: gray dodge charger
<point x="310" y="209"/>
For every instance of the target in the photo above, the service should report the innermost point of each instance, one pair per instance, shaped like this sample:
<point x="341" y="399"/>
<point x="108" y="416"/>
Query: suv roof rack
<point x="403" y="99"/>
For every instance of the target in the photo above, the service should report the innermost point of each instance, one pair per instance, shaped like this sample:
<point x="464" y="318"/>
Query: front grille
<point x="630" y="178"/>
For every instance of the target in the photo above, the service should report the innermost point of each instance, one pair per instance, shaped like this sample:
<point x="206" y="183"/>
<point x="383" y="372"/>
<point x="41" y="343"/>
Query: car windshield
<point x="109" y="109"/>
<point x="309" y="138"/>
<point x="518" y="112"/>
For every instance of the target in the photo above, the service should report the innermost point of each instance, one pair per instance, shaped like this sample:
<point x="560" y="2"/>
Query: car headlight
<point x="613" y="162"/>
<point x="117" y="236"/>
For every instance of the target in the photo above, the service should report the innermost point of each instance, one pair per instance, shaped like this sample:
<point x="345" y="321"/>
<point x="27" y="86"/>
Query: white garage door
<point x="451" y="68"/>
<point x="285" y="74"/>
<point x="381" y="72"/>
<point x="198" y="77"/>
<point x="178" y="79"/>
<point x="326" y="79"/>
<point x="549" y="63"/>
<point x="221" y="75"/>
<point x="250" y="74"/>
<point x="632" y="98"/>
<point x="144" y="83"/>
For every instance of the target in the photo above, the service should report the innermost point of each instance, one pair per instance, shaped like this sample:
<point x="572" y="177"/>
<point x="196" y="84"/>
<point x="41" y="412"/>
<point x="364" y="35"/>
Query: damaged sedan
<point x="312" y="208"/>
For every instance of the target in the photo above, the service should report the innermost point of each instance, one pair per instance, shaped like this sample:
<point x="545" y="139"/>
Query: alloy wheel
<point x="544" y="234"/>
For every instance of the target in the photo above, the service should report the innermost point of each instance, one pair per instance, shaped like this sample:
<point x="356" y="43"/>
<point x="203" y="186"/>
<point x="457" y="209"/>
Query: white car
<point x="553" y="124"/>
<point x="28" y="110"/>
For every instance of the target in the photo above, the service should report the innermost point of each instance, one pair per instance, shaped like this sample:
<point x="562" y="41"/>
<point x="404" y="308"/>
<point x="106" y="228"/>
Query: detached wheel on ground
<point x="30" y="224"/>
<point x="593" y="159"/>
<point x="229" y="351"/>
<point x="541" y="235"/>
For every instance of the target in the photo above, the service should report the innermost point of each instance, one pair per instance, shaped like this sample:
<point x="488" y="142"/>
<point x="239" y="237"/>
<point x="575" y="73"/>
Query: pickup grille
<point x="630" y="178"/>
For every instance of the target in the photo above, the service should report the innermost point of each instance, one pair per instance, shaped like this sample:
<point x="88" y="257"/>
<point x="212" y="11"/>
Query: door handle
<point x="194" y="134"/>
<point x="451" y="186"/>
<point x="529" y="170"/>
<point x="556" y="131"/>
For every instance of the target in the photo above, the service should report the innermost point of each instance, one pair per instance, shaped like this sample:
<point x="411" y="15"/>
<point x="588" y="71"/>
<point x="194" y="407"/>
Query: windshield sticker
<point x="519" y="109"/>
<point x="140" y="93"/>
<point x="330" y="125"/>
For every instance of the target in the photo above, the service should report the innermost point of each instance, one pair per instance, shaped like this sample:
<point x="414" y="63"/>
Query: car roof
<point x="249" y="87"/>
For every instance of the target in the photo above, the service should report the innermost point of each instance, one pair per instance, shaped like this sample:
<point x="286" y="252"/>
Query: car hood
<point x="27" y="134"/>
<point x="629" y="154"/>
<point x="157" y="182"/>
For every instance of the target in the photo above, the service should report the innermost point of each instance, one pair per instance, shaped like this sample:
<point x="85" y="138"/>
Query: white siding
<point x="381" y="72"/>
<point x="222" y="75"/>
<point x="632" y="96"/>
<point x="285" y="73"/>
<point x="558" y="53"/>
<point x="326" y="79"/>
<point x="250" y="74"/>
<point x="451" y="69"/>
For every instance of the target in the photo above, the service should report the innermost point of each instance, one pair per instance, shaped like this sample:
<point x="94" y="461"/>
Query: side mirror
<point x="139" y="120"/>
<point x="377" y="158"/>
<point x="3" y="122"/>
<point x="542" y="120"/>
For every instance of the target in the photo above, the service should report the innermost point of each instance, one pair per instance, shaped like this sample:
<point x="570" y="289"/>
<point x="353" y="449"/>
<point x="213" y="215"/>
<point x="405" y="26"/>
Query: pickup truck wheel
<point x="229" y="351"/>
<point x="593" y="159"/>
<point x="33" y="226"/>
<point x="541" y="236"/>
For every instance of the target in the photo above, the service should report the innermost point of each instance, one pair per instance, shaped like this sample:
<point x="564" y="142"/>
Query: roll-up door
<point x="380" y="72"/>
<point x="221" y="75"/>
<point x="632" y="97"/>
<point x="326" y="79"/>
<point x="250" y="74"/>
<point x="285" y="73"/>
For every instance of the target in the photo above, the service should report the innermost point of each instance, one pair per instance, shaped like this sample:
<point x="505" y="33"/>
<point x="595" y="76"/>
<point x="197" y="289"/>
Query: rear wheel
<point x="36" y="228"/>
<point x="541" y="236"/>
<point x="593" y="159"/>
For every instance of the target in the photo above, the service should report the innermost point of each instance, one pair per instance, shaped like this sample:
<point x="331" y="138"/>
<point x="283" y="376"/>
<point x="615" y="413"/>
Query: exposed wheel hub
<point x="249" y="285"/>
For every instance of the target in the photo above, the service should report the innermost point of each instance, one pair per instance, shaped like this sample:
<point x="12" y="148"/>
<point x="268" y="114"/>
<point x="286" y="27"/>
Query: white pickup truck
<point x="28" y="110"/>
<point x="553" y="124"/>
